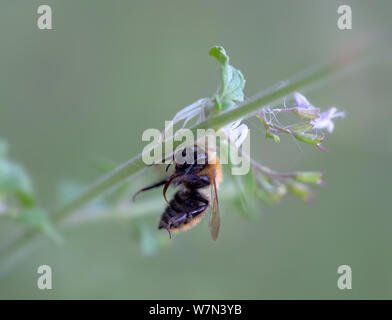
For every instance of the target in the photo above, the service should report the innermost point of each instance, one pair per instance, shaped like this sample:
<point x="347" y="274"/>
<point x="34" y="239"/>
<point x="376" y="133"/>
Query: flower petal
<point x="301" y="101"/>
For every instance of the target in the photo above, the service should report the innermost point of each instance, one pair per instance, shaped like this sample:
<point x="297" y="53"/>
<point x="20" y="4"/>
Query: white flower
<point x="191" y="111"/>
<point x="199" y="108"/>
<point x="304" y="108"/>
<point x="236" y="132"/>
<point x="302" y="102"/>
<point x="324" y="120"/>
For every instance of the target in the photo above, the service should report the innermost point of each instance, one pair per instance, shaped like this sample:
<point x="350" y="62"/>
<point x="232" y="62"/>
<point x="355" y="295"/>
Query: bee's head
<point x="191" y="157"/>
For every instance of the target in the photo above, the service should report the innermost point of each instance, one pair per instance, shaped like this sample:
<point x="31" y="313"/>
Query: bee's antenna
<point x="155" y="185"/>
<point x="136" y="193"/>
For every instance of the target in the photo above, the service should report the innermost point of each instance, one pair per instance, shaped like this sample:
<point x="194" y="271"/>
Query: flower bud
<point x="308" y="113"/>
<point x="278" y="193"/>
<point x="309" y="138"/>
<point x="309" y="177"/>
<point x="300" y="190"/>
<point x="301" y="127"/>
<point x="274" y="136"/>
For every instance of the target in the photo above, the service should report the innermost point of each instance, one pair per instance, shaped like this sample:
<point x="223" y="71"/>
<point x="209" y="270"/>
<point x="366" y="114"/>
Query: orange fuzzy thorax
<point x="213" y="169"/>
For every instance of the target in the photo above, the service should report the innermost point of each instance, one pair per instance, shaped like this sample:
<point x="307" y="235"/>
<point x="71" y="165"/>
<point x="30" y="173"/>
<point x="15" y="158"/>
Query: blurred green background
<point x="110" y="69"/>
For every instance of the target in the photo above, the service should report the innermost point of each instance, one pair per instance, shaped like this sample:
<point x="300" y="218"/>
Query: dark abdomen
<point x="184" y="201"/>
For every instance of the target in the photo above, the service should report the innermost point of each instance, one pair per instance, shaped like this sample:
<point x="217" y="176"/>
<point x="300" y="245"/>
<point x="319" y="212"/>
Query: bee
<point x="198" y="180"/>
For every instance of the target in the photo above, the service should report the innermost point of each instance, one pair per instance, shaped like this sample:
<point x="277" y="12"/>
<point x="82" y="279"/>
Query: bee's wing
<point x="214" y="221"/>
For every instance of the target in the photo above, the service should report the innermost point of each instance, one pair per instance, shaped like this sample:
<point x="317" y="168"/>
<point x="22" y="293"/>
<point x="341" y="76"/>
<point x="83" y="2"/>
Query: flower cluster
<point x="309" y="130"/>
<point x="272" y="185"/>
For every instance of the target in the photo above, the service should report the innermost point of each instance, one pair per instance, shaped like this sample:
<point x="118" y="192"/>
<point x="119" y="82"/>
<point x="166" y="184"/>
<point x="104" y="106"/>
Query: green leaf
<point x="245" y="202"/>
<point x="38" y="219"/>
<point x="227" y="104"/>
<point x="233" y="82"/>
<point x="219" y="54"/>
<point x="148" y="239"/>
<point x="14" y="180"/>
<point x="234" y="85"/>
<point x="68" y="190"/>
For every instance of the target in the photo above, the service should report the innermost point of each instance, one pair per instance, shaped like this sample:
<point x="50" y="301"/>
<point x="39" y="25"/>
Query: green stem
<point x="136" y="164"/>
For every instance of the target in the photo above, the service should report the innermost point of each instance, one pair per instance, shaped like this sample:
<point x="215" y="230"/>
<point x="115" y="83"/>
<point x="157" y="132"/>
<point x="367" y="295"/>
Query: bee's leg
<point x="189" y="169"/>
<point x="182" y="216"/>
<point x="197" y="210"/>
<point x="195" y="181"/>
<point x="201" y="199"/>
<point x="155" y="185"/>
<point x="176" y="219"/>
<point x="168" y="230"/>
<point x="172" y="220"/>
